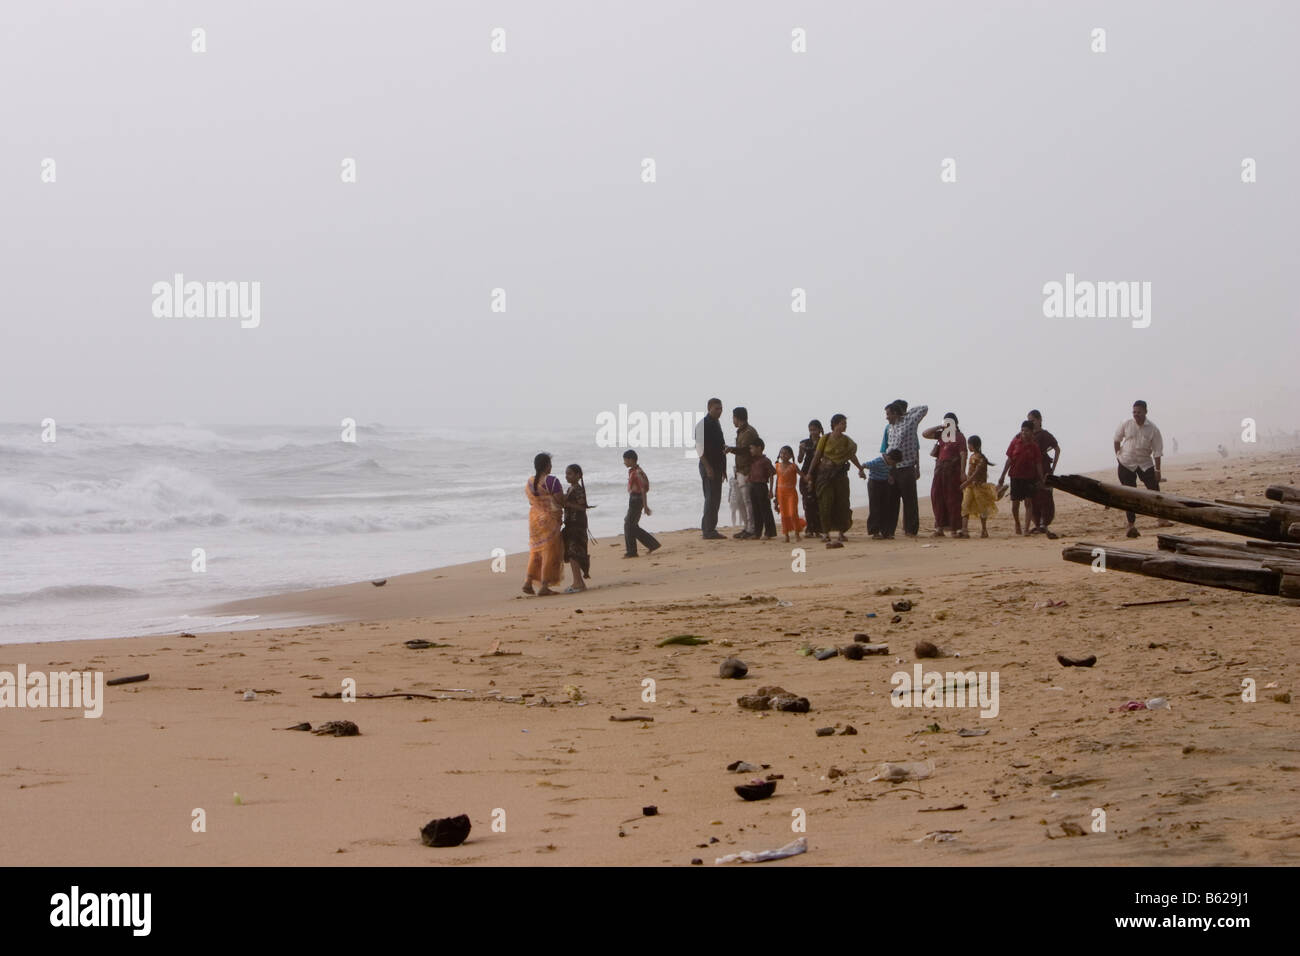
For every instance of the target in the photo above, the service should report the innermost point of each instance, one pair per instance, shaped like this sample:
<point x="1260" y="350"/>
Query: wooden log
<point x="1216" y="573"/>
<point x="1242" y="504"/>
<point x="1234" y="519"/>
<point x="1290" y="586"/>
<point x="1294" y="530"/>
<point x="1285" y="514"/>
<point x="1282" y="549"/>
<point x="1282" y="493"/>
<point x="133" y="679"/>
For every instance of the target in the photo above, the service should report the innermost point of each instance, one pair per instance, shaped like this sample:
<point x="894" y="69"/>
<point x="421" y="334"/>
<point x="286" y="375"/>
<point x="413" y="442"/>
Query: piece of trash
<point x="871" y="614"/>
<point x="239" y="801"/>
<point x="825" y="731"/>
<point x="1076" y="661"/>
<point x="733" y="668"/>
<point x="848" y="731"/>
<point x="869" y="649"/>
<point x="1043" y="604"/>
<point x="903" y="605"/>
<point x="898" y="772"/>
<point x="337" y="728"/>
<point x="445" y="831"/>
<point x="793" y="848"/>
<point x="250" y="695"/>
<point x="826" y="653"/>
<point x="980" y="732"/>
<point x="1157" y="703"/>
<point x="651" y="811"/>
<point x="1271" y="685"/>
<point x="740" y="766"/>
<point x="756" y="789"/>
<point x="939" y="836"/>
<point x="888" y="589"/>
<point x="133" y="679"/>
<point x="785" y="604"/>
<point x="302" y="726"/>
<point x="573" y="692"/>
<point x="630" y="717"/>
<point x="690" y="640"/>
<point x="1134" y="705"/>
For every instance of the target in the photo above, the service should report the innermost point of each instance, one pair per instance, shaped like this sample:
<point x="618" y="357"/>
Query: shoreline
<point x="525" y="704"/>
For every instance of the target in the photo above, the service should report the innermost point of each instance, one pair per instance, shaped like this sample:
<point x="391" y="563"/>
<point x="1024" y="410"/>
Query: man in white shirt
<point x="1138" y="450"/>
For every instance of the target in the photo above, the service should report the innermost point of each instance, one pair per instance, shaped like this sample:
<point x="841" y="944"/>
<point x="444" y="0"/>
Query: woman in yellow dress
<point x="545" y="537"/>
<point x="830" y="474"/>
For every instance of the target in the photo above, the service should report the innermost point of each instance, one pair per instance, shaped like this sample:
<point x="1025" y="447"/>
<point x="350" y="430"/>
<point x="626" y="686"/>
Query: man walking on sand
<point x="901" y="434"/>
<point x="1138" y="450"/>
<point x="712" y="449"/>
<point x="746" y="435"/>
<point x="1044" y="503"/>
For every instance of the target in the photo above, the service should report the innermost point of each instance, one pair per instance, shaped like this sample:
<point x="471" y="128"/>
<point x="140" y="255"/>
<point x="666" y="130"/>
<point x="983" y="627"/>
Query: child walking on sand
<point x="787" y="493"/>
<point x="761" y="473"/>
<point x="638" y="493"/>
<point x="575" y="528"/>
<point x="978" y="497"/>
<point x="1025" y="462"/>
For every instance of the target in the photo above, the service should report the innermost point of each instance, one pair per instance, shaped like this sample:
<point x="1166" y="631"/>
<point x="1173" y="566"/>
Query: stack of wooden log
<point x="1269" y="566"/>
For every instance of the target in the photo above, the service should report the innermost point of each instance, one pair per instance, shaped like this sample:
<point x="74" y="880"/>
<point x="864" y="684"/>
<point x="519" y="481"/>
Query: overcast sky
<point x="523" y="170"/>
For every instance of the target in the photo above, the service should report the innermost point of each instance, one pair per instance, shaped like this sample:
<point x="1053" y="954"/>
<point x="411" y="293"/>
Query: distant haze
<point x="775" y="170"/>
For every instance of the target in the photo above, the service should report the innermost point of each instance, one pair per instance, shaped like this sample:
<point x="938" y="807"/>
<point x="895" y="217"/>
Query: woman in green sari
<point x="830" y="471"/>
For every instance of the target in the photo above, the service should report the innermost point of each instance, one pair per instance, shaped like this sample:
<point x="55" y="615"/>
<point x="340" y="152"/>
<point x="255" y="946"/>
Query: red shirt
<point x="637" y="482"/>
<point x="1024" y="457"/>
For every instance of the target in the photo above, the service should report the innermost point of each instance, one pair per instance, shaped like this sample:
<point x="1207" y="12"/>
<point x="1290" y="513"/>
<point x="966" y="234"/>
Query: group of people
<point x="818" y="474"/>
<point x="557" y="524"/>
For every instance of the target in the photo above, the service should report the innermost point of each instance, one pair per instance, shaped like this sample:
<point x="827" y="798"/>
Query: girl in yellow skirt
<point x="978" y="497"/>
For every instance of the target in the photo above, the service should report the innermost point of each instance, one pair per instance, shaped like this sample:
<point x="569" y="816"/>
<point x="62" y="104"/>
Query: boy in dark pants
<point x="761" y="473"/>
<point x="638" y="491"/>
<point x="882" y="518"/>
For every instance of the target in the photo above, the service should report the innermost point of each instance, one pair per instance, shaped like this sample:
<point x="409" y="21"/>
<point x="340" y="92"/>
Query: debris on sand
<point x="903" y="605"/>
<point x="445" y="831"/>
<point x="740" y="766"/>
<point x="1076" y="661"/>
<point x="927" y="649"/>
<point x="689" y="640"/>
<point x="733" y="667"/>
<point x="756" y="789"/>
<point x="337" y="728"/>
<point x="380" y="583"/>
<point x="898" y="772"/>
<point x="793" y="848"/>
<point x="826" y="653"/>
<point x="302" y="726"/>
<point x="825" y="731"/>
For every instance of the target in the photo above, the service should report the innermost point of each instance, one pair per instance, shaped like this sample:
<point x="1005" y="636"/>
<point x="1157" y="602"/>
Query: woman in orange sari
<point x="545" y="539"/>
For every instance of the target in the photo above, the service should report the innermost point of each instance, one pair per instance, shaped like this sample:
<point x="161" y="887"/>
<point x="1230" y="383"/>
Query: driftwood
<point x="1283" y="493"/>
<point x="1272" y="524"/>
<point x="133" y="679"/>
<point x="1238" y="574"/>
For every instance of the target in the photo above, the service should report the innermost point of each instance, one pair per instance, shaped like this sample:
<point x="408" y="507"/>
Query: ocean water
<point x="98" y="528"/>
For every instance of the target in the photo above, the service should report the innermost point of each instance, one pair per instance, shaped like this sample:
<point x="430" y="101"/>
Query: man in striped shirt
<point x="901" y="434"/>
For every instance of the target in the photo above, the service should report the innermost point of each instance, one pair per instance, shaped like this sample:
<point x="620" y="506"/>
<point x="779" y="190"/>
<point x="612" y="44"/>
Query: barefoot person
<point x="1025" y="462"/>
<point x="787" y="493"/>
<point x="830" y="470"/>
<point x="575" y="529"/>
<point x="1044" y="503"/>
<point x="638" y="500"/>
<point x="978" y="498"/>
<point x="808" y="448"/>
<point x="949" y="467"/>
<point x="901" y="434"/>
<point x="1138" y="450"/>
<point x="545" y="542"/>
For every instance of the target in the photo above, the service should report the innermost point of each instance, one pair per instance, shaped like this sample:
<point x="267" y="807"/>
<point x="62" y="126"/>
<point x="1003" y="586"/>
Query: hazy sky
<point x="775" y="170"/>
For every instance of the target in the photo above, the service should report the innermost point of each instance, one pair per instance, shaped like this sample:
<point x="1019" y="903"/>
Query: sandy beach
<point x="521" y="730"/>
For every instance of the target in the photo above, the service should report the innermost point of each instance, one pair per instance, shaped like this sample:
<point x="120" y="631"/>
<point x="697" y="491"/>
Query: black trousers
<point x="712" y="498"/>
<point x="882" y="518"/>
<point x="905" y="494"/>
<point x="632" y="530"/>
<point x="764" y="520"/>
<point x="1128" y="476"/>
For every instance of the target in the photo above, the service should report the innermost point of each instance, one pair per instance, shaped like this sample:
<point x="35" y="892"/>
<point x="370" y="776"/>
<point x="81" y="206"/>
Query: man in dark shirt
<point x="712" y="449"/>
<point x="746" y="435"/>
<point x="1044" y="504"/>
